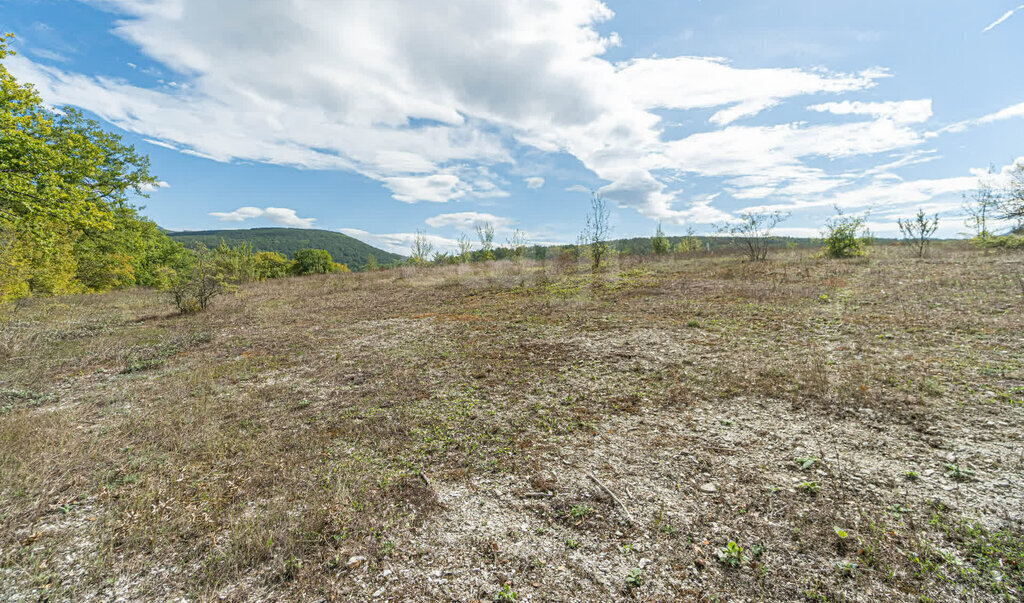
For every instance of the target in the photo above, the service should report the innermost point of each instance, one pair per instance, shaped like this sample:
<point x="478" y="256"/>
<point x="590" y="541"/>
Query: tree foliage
<point x="659" y="242"/>
<point x="66" y="224"/>
<point x="844" y="236"/>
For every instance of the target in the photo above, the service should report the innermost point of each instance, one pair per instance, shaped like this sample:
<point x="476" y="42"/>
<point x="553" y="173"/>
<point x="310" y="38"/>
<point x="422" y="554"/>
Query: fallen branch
<point x="625" y="511"/>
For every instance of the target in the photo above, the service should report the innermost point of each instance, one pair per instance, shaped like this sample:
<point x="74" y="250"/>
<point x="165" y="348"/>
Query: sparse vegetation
<point x="917" y="232"/>
<point x="595" y="233"/>
<point x="754" y="230"/>
<point x="306" y="435"/>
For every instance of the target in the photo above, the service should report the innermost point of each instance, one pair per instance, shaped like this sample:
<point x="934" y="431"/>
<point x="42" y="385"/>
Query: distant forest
<point x="343" y="248"/>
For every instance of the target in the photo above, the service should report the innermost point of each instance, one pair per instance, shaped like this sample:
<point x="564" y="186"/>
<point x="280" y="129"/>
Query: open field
<point x="857" y="427"/>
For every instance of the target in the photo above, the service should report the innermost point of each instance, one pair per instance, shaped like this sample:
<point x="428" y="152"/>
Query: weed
<point x="811" y="488"/>
<point x="634" y="579"/>
<point x="846" y="569"/>
<point x="806" y="462"/>
<point x="506" y="593"/>
<point x="581" y="510"/>
<point x="958" y="473"/>
<point x="732" y="555"/>
<point x="572" y="544"/>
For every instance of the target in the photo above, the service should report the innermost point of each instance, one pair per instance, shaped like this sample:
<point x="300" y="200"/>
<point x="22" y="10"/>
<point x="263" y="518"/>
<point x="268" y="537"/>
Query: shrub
<point x="314" y="261"/>
<point x="270" y="264"/>
<point x="195" y="287"/>
<point x="237" y="265"/>
<point x="844" y="236"/>
<point x="918" y="231"/>
<point x="755" y="230"/>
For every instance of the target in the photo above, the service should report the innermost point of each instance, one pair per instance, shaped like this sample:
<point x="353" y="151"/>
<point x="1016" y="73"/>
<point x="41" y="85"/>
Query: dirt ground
<point x="696" y="428"/>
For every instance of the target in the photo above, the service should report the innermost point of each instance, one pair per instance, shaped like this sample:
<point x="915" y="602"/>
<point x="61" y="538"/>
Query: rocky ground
<point x="699" y="428"/>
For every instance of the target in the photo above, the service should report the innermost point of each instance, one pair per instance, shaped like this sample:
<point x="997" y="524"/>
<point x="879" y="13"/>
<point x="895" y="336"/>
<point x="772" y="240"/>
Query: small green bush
<point x="314" y="261"/>
<point x="844" y="236"/>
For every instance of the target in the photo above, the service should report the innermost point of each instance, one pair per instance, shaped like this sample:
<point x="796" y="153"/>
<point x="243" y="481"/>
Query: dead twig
<point x="625" y="511"/>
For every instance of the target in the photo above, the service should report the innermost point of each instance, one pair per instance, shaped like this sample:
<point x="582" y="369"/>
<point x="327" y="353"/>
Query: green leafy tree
<point x="371" y="263"/>
<point x="485" y="232"/>
<point x="659" y="242"/>
<point x="62" y="178"/>
<point x="420" y="250"/>
<point x="314" y="261"/>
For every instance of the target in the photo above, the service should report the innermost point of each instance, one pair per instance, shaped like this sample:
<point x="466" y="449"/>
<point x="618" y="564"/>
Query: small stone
<point x="356" y="561"/>
<point x="644" y="563"/>
<point x="379" y="592"/>
<point x="709" y="487"/>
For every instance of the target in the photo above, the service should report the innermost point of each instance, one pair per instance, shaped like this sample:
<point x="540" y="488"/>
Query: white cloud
<point x="534" y="182"/>
<point x="262" y="81"/>
<point x="1013" y="111"/>
<point x="916" y="111"/>
<point x="152" y="188"/>
<point x="1000" y="20"/>
<point x="282" y="216"/>
<point x="469" y="220"/>
<point x="399" y="242"/>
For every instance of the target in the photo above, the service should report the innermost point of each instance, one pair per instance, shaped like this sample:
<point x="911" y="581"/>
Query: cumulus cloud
<point x="399" y="242"/>
<point x="469" y="220"/>
<point x="364" y="86"/>
<point x="534" y="182"/>
<point x="282" y="216"/>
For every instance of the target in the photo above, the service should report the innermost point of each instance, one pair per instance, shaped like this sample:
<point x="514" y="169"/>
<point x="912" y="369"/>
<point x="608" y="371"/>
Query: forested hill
<point x="343" y="248"/>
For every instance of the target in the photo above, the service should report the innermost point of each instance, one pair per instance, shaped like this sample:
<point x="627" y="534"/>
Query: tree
<point x="371" y="263"/>
<point x="194" y="288"/>
<point x="918" y="231"/>
<point x="485" y="232"/>
<point x="1011" y="206"/>
<point x="64" y="182"/>
<point x="313" y="261"/>
<point x="420" y="249"/>
<point x="517" y="244"/>
<point x="755" y="230"/>
<point x="596" y="230"/>
<point x="465" y="247"/>
<point x="844" y="235"/>
<point x="659" y="242"/>
<point x="982" y="205"/>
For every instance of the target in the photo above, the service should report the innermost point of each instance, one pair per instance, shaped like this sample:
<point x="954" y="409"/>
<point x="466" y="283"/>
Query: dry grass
<point x="441" y="422"/>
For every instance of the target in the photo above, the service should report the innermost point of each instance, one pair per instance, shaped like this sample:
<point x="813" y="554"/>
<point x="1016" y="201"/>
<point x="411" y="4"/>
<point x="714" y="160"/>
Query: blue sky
<point x="382" y="118"/>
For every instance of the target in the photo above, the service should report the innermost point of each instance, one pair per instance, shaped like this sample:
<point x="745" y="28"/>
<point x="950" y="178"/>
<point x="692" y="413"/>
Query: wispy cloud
<point x="282" y="216"/>
<point x="1013" y="111"/>
<point x="1000" y="20"/>
<point x="399" y="242"/>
